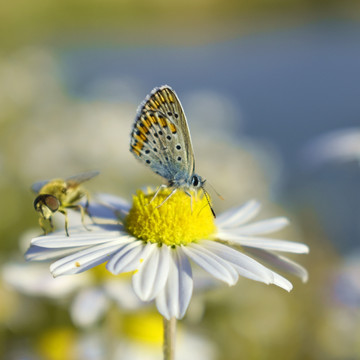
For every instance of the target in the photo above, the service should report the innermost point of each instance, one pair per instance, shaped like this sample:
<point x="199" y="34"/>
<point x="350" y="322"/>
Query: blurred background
<point x="263" y="84"/>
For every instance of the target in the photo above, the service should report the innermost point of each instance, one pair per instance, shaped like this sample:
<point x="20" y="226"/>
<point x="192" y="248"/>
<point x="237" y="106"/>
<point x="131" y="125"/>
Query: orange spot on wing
<point x="139" y="138"/>
<point x="172" y="128"/>
<point x="171" y="99"/>
<point x="136" y="148"/>
<point x="77" y="264"/>
<point x="163" y="122"/>
<point x="144" y="128"/>
<point x="153" y="119"/>
<point x="154" y="103"/>
<point x="148" y="123"/>
<point x="162" y="99"/>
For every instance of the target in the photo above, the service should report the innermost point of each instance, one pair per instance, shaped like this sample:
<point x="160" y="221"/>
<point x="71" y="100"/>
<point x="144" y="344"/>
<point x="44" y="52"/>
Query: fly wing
<point x="76" y="180"/>
<point x="161" y="138"/>
<point x="39" y="185"/>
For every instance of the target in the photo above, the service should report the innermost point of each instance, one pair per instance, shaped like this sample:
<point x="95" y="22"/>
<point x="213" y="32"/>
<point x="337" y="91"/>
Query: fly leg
<point x="86" y="207"/>
<point x="83" y="211"/>
<point x="63" y="211"/>
<point x="46" y="225"/>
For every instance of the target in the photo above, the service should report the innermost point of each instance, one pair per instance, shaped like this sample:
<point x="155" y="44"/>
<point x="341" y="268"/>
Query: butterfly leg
<point x="157" y="191"/>
<point x="191" y="200"/>
<point x="168" y="197"/>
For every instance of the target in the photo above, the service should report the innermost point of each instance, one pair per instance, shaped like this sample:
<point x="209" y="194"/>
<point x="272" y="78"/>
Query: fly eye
<point x="51" y="202"/>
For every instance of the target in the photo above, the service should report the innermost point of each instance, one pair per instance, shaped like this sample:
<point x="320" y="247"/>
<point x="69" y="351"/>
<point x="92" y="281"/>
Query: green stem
<point x="169" y="338"/>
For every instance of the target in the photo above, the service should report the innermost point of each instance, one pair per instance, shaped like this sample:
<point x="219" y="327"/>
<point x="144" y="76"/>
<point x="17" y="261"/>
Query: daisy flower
<point x="339" y="145"/>
<point x="159" y="243"/>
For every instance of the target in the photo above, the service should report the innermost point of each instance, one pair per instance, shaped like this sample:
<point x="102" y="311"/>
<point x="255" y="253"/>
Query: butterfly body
<point x="161" y="139"/>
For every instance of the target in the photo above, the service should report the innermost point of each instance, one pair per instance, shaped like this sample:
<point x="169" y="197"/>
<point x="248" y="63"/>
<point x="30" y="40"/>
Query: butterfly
<point x="161" y="140"/>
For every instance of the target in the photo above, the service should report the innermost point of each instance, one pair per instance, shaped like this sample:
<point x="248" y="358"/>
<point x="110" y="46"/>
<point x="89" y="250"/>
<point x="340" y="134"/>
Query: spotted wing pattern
<point x="161" y="139"/>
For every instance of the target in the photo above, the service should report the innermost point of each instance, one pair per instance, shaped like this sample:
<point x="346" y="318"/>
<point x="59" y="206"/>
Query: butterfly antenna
<point x="208" y="200"/>
<point x="219" y="195"/>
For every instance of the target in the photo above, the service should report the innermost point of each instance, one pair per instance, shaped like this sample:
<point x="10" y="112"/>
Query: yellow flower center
<point x="178" y="220"/>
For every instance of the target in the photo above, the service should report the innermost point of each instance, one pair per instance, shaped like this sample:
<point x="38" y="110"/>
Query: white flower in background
<point x="156" y="243"/>
<point x="338" y="145"/>
<point x="142" y="338"/>
<point x="137" y="336"/>
<point x="35" y="280"/>
<point x="90" y="294"/>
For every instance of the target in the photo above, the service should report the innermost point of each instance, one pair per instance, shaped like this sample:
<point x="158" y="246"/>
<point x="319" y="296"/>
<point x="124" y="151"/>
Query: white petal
<point x="38" y="253"/>
<point x="174" y="299"/>
<point x="114" y="202"/>
<point x="282" y="282"/>
<point x="84" y="260"/>
<point x="262" y="227"/>
<point x="280" y="262"/>
<point x="211" y="263"/>
<point x="129" y="257"/>
<point x="88" y="307"/>
<point x="244" y="265"/>
<point x="238" y="216"/>
<point x="263" y="243"/>
<point x="80" y="237"/>
<point x="152" y="274"/>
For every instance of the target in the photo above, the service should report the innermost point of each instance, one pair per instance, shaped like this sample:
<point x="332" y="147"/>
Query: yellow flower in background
<point x="145" y="327"/>
<point x="58" y="344"/>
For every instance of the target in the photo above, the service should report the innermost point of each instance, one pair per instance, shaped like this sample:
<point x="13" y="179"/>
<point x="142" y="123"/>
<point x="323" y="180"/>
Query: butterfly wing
<point x="161" y="138"/>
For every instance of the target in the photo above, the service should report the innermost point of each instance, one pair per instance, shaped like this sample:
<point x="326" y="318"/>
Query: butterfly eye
<point x="195" y="181"/>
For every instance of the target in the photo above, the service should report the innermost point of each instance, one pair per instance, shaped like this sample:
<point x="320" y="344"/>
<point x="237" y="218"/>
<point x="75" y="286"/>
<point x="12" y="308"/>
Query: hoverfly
<point x="60" y="195"/>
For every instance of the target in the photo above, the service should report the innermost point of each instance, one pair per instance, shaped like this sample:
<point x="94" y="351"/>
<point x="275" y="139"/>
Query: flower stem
<point x="169" y="338"/>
